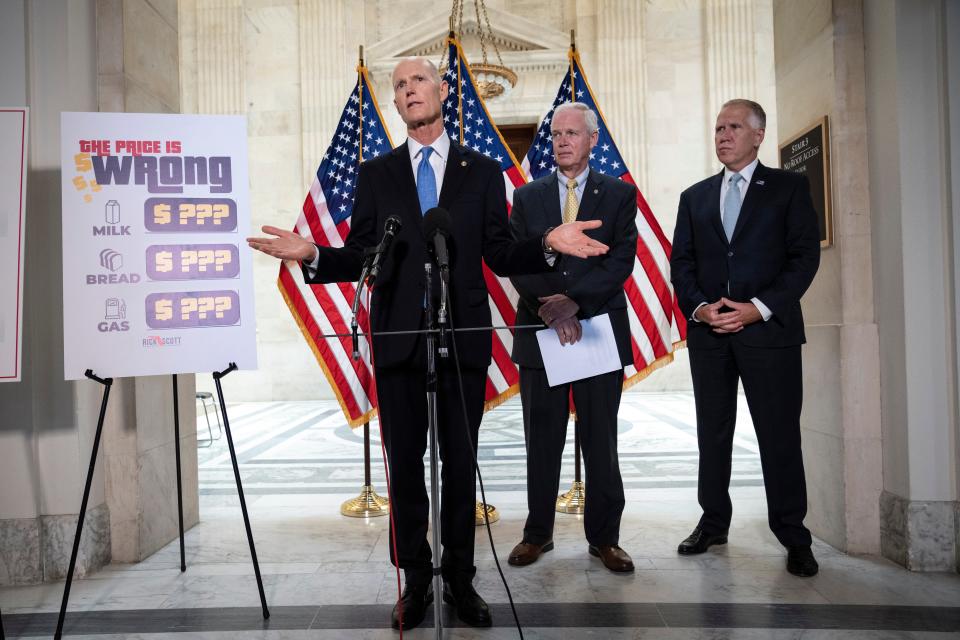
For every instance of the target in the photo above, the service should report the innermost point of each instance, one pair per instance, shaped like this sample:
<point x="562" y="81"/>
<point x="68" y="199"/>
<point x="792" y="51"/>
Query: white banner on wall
<point x="157" y="277"/>
<point x="13" y="194"/>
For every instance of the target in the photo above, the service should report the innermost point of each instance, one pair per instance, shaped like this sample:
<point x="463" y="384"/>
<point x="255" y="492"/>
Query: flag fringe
<point x="493" y="403"/>
<point x="352" y="422"/>
<point x="659" y="363"/>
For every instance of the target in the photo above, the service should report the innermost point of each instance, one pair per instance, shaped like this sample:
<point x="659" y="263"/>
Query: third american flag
<point x="656" y="324"/>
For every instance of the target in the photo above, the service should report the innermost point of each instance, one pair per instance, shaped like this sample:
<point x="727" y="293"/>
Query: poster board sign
<point x="13" y="195"/>
<point x="809" y="153"/>
<point x="157" y="277"/>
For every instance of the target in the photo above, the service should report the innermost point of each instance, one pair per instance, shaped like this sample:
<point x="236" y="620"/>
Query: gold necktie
<point x="571" y="206"/>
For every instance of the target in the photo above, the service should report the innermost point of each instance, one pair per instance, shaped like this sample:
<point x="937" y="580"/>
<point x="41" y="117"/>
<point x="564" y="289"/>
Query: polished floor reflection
<point x="327" y="576"/>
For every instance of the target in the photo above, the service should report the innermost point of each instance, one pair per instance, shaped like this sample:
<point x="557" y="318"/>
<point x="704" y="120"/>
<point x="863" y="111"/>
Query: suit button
<point x="730" y="254"/>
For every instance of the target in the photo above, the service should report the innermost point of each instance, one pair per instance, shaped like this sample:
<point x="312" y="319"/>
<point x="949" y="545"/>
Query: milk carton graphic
<point x="111" y="212"/>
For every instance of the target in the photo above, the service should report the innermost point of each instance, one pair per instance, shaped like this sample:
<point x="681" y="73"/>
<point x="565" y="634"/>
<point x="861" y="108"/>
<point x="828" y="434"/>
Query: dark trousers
<point x="546" y="411"/>
<point x="773" y="385"/>
<point x="401" y="393"/>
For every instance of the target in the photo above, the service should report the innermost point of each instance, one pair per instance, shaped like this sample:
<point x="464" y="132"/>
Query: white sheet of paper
<point x="595" y="353"/>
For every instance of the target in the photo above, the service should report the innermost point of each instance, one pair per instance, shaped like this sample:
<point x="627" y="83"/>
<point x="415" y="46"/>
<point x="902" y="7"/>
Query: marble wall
<point x="82" y="55"/>
<point x="820" y="72"/>
<point x="660" y="69"/>
<point x="47" y="425"/>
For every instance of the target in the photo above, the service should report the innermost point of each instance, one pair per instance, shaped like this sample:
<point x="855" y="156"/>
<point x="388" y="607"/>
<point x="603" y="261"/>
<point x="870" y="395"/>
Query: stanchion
<point x="492" y="514"/>
<point x="107" y="383"/>
<point x="368" y="504"/>
<point x="217" y="375"/>
<point x="176" y="449"/>
<point x="574" y="500"/>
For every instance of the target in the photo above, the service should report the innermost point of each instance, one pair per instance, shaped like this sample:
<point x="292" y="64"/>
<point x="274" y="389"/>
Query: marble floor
<point x="327" y="576"/>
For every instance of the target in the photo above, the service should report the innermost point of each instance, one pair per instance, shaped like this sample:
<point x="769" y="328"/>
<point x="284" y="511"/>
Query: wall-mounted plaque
<point x="809" y="153"/>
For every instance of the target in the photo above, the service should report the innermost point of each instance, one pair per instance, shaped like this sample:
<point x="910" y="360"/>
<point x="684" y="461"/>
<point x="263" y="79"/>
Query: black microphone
<point x="390" y="229"/>
<point x="436" y="230"/>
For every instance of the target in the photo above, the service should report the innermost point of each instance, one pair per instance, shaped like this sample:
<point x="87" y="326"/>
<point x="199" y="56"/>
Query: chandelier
<point x="493" y="80"/>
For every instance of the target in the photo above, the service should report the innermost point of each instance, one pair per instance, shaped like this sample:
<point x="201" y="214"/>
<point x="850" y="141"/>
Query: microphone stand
<point x="442" y="316"/>
<point x="434" y="449"/>
<point x="355" y="308"/>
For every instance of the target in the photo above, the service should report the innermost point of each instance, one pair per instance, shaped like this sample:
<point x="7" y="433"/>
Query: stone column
<point x="911" y="81"/>
<point x="738" y="53"/>
<point x="138" y="71"/>
<point x="621" y="55"/>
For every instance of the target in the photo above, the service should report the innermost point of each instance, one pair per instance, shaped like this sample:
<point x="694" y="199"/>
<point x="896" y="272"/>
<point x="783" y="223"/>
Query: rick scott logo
<point x="151" y="342"/>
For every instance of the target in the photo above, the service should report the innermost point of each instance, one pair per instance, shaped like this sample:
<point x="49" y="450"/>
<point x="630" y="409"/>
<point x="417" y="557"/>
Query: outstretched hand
<point x="569" y="238"/>
<point x="286" y="245"/>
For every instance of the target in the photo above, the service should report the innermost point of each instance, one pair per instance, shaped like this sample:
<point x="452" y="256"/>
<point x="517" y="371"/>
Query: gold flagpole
<point x="482" y="512"/>
<point x="368" y="504"/>
<point x="574" y="500"/>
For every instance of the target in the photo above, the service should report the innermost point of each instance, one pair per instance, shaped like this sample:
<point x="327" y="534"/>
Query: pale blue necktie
<point x="427" y="182"/>
<point x="731" y="205"/>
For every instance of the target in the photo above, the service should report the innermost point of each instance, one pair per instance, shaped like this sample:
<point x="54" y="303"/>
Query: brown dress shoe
<point x="613" y="557"/>
<point x="527" y="553"/>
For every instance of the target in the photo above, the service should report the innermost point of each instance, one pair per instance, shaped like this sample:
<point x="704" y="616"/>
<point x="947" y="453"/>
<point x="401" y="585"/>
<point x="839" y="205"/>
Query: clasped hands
<point x="736" y="316"/>
<point x="560" y="314"/>
<point x="567" y="238"/>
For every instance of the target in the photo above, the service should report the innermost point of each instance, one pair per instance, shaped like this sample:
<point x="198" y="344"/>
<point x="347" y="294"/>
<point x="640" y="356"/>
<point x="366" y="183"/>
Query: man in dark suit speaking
<point x="430" y="170"/>
<point x="745" y="249"/>
<point x="579" y="288"/>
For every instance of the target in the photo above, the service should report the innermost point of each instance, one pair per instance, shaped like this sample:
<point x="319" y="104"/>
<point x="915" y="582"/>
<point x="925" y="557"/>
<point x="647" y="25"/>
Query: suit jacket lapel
<point x="400" y="168"/>
<point x="458" y="164"/>
<point x="592" y="194"/>
<point x="550" y="196"/>
<point x="755" y="193"/>
<point x="713" y="206"/>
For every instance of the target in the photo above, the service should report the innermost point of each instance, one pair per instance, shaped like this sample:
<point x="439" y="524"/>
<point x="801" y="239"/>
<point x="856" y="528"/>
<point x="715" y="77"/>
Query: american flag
<point x="468" y="122"/>
<point x="656" y="323"/>
<point x="325" y="220"/>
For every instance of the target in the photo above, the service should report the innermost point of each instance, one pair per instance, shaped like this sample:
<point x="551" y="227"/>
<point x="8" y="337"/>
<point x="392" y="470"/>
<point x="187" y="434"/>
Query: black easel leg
<point x="236" y="474"/>
<point x="107" y="383"/>
<point x="176" y="436"/>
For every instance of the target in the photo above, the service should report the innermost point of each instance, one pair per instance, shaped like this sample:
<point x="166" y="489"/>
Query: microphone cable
<point x="476" y="464"/>
<point x="386" y="471"/>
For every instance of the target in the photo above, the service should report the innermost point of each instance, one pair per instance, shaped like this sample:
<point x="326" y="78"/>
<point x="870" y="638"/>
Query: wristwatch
<point x="543" y="242"/>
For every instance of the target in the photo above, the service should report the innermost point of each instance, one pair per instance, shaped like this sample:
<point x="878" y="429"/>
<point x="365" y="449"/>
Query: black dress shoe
<point x="800" y="562"/>
<point x="470" y="607"/>
<point x="698" y="542"/>
<point x="413" y="601"/>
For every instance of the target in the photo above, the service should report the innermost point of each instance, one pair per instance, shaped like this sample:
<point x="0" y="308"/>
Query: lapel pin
<point x="760" y="182"/>
<point x="596" y="191"/>
<point x="463" y="163"/>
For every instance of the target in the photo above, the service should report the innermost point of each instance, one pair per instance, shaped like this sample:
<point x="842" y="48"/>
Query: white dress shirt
<point x="438" y="162"/>
<point x="438" y="159"/>
<point x="747" y="174"/>
<point x="581" y="186"/>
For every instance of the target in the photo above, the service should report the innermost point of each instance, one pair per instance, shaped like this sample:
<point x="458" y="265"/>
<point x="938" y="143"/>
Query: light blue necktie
<point x="427" y="182"/>
<point x="731" y="205"/>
